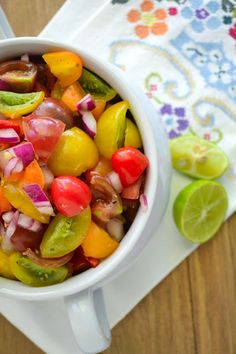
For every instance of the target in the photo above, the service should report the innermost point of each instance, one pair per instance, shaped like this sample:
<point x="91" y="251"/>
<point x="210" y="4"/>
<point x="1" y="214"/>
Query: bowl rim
<point x="119" y="81"/>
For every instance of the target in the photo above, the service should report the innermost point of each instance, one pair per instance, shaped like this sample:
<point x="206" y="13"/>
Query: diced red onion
<point x="46" y="262"/>
<point x="87" y="103"/>
<point x="114" y="179"/>
<point x="25" y="57"/>
<point x="11" y="228"/>
<point x="48" y="176"/>
<point x="28" y="223"/>
<point x="9" y="136"/>
<point x="24" y="153"/>
<point x="89" y="123"/>
<point x="116" y="229"/>
<point x="8" y="216"/>
<point x="4" y="86"/>
<point x="39" y="198"/>
<point x="143" y="202"/>
<point x="13" y="166"/>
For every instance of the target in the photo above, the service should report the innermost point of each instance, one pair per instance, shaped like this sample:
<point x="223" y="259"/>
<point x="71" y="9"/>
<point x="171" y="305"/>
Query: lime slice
<point x="197" y="157"/>
<point x="199" y="210"/>
<point x="14" y="105"/>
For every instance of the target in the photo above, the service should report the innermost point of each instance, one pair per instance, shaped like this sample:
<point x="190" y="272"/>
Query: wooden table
<point x="193" y="310"/>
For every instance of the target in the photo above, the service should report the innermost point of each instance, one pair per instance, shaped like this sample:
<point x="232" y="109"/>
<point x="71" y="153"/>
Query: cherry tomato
<point x="5" y="124"/>
<point x="23" y="239"/>
<point x="129" y="163"/>
<point x="54" y="108"/>
<point x="70" y="195"/>
<point x="44" y="133"/>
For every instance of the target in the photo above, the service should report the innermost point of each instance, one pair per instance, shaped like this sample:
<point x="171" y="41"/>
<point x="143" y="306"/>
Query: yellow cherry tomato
<point x="132" y="136"/>
<point x="104" y="166"/>
<point x="98" y="243"/>
<point x="66" y="66"/>
<point x="111" y="129"/>
<point x="74" y="154"/>
<point x="5" y="270"/>
<point x="21" y="201"/>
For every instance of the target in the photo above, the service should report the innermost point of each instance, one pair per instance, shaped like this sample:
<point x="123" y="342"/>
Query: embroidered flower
<point x="175" y="121"/>
<point x="201" y="14"/>
<point x="232" y="31"/>
<point x="149" y="20"/>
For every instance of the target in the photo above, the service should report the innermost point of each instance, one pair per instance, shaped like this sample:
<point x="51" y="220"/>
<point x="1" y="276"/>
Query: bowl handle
<point x="88" y="319"/>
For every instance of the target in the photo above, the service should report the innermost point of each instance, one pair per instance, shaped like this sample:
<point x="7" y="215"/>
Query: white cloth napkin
<point x="178" y="58"/>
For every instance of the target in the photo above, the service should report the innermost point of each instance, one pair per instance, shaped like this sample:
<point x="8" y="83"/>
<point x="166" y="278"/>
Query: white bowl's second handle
<point x="89" y="321"/>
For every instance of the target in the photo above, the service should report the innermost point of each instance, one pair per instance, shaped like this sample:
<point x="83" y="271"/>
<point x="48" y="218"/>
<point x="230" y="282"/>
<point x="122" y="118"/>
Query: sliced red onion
<point x="25" y="57"/>
<point x="11" y="228"/>
<point x="48" y="176"/>
<point x="9" y="136"/>
<point x="114" y="179"/>
<point x="143" y="202"/>
<point x="28" y="223"/>
<point x="89" y="123"/>
<point x="13" y="166"/>
<point x="115" y="228"/>
<point x="24" y="152"/>
<point x="87" y="103"/>
<point x="4" y="86"/>
<point x="7" y="217"/>
<point x="39" y="198"/>
<point x="47" y="262"/>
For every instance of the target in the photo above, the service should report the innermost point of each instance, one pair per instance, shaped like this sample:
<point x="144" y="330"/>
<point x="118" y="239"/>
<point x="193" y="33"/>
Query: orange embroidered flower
<point x="149" y="20"/>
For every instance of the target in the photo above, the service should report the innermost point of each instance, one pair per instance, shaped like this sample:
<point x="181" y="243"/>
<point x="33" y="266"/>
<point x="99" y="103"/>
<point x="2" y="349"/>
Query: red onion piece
<point x="28" y="223"/>
<point x="9" y="136"/>
<point x="48" y="176"/>
<point x="11" y="228"/>
<point x="25" y="57"/>
<point x="143" y="202"/>
<point x="39" y="198"/>
<point x="87" y="103"/>
<point x="116" y="229"/>
<point x="7" y="217"/>
<point x="4" y="86"/>
<point x="114" y="179"/>
<point x="13" y="166"/>
<point x="89" y="123"/>
<point x="46" y="262"/>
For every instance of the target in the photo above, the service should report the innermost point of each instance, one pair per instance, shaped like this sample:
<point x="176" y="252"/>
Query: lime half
<point x="199" y="210"/>
<point x="198" y="157"/>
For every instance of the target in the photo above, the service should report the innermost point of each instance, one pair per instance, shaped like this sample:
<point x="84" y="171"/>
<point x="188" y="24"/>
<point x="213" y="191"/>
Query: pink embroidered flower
<point x="232" y="31"/>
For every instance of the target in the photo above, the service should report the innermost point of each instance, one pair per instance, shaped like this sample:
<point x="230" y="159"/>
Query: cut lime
<point x="197" y="157"/>
<point x="199" y="210"/>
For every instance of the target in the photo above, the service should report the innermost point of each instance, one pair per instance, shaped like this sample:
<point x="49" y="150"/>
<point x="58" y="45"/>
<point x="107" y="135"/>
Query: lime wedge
<point x="197" y="157"/>
<point x="199" y="210"/>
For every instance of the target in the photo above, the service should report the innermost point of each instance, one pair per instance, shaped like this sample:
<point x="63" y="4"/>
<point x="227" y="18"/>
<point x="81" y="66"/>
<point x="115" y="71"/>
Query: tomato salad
<point x="72" y="168"/>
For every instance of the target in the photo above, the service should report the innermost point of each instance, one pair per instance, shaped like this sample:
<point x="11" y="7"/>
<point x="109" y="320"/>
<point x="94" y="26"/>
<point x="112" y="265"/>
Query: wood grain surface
<point x="193" y="310"/>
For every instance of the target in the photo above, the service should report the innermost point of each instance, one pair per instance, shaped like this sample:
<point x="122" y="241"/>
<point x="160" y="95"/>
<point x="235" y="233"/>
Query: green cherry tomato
<point x="30" y="273"/>
<point x="64" y="234"/>
<point x="111" y="129"/>
<point x="74" y="154"/>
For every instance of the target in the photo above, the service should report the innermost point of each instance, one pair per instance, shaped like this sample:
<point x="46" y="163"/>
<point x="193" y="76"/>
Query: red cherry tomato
<point x="70" y="195"/>
<point x="129" y="163"/>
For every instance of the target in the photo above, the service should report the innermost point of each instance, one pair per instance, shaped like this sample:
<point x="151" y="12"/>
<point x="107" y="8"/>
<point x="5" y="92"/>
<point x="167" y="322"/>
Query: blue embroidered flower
<point x="202" y="14"/>
<point x="175" y="121"/>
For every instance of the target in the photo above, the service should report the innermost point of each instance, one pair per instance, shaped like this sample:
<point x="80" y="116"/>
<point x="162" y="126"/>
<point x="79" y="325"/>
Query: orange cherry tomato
<point x="72" y="95"/>
<point x="99" y="109"/>
<point x="4" y="203"/>
<point x="66" y="66"/>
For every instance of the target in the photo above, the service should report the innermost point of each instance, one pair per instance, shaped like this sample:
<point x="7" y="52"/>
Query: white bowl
<point x="157" y="187"/>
